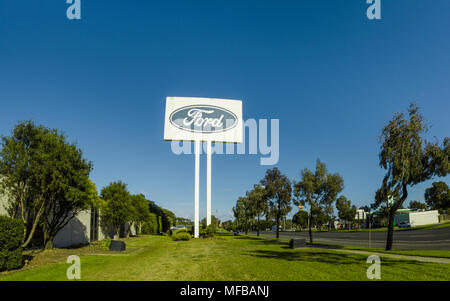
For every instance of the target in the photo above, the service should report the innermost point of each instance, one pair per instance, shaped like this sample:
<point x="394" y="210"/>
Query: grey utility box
<point x="297" y="243"/>
<point x="117" y="245"/>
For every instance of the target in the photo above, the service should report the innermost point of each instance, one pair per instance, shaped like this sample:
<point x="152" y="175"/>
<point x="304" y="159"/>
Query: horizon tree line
<point x="404" y="152"/>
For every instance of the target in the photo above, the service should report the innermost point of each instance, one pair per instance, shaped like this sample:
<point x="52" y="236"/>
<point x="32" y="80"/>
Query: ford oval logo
<point x="203" y="119"/>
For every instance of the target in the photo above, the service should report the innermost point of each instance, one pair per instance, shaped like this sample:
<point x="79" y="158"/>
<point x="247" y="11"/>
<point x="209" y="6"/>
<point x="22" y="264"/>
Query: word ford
<point x="196" y="118"/>
<point x="203" y="119"/>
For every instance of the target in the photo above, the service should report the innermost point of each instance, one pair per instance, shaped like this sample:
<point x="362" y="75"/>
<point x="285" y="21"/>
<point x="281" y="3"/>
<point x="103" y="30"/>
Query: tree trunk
<point x="392" y="211"/>
<point x="129" y="230"/>
<point x="117" y="231"/>
<point x="257" y="227"/>
<point x="390" y="237"/>
<point x="48" y="243"/>
<point x="48" y="240"/>
<point x="35" y="223"/>
<point x="278" y="226"/>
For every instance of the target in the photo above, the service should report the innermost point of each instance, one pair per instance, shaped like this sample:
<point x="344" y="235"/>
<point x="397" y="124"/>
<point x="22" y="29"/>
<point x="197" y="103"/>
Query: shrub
<point x="11" y="235"/>
<point x="184" y="236"/>
<point x="181" y="231"/>
<point x="209" y="232"/>
<point x="106" y="243"/>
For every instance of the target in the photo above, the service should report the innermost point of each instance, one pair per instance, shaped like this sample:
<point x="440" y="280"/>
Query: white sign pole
<point x="208" y="182"/>
<point x="197" y="190"/>
<point x="203" y="119"/>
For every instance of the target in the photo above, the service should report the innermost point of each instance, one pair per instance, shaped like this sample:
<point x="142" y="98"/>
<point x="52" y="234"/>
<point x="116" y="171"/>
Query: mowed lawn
<point x="227" y="259"/>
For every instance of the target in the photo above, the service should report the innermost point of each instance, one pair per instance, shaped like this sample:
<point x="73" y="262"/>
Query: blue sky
<point x="332" y="77"/>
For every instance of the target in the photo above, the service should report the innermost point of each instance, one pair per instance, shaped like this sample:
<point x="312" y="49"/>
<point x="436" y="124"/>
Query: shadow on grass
<point x="325" y="257"/>
<point x="262" y="241"/>
<point x="304" y="255"/>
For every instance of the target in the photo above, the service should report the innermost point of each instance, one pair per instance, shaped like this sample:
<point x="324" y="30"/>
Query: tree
<point x="117" y="209"/>
<point x="16" y="167"/>
<point x="165" y="218"/>
<point x="319" y="190"/>
<point x="438" y="196"/>
<point x="184" y="221"/>
<point x="46" y="177"/>
<point x="365" y="208"/>
<point x="345" y="209"/>
<point x="227" y="225"/>
<point x="243" y="212"/>
<point x="168" y="219"/>
<point x="279" y="194"/>
<point x="258" y="202"/>
<point x="140" y="210"/>
<point x="409" y="160"/>
<point x="301" y="219"/>
<point x="214" y="220"/>
<point x="63" y="177"/>
<point x="417" y="205"/>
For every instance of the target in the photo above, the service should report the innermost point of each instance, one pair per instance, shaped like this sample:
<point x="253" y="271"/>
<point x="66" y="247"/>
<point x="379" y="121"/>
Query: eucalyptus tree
<point x="238" y="212"/>
<point x="345" y="209"/>
<point x="319" y="190"/>
<point x="279" y="195"/>
<point x="258" y="201"/>
<point x="243" y="213"/>
<point x="409" y="160"/>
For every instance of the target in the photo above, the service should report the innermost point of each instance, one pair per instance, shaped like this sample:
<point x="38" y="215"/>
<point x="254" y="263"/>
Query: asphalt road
<point x="435" y="239"/>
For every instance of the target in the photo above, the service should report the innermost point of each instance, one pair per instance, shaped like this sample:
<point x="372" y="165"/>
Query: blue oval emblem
<point x="203" y="119"/>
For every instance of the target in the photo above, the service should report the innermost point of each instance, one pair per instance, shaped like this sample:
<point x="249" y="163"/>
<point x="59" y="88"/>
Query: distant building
<point x="361" y="215"/>
<point x="416" y="217"/>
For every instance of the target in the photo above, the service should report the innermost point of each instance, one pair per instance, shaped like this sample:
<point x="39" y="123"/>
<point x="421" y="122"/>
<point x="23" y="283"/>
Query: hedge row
<point x="11" y="235"/>
<point x="150" y="226"/>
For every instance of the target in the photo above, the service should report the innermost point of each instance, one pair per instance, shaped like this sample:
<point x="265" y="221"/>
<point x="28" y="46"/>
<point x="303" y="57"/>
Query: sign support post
<point x="208" y="182"/>
<point x="201" y="120"/>
<point x="197" y="189"/>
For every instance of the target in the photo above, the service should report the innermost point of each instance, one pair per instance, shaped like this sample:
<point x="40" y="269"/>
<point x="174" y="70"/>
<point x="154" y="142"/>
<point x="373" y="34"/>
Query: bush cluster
<point x="11" y="235"/>
<point x="184" y="236"/>
<point x="209" y="232"/>
<point x="106" y="243"/>
<point x="181" y="231"/>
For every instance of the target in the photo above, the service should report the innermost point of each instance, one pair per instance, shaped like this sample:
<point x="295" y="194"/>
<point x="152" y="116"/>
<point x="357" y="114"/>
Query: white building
<point x="417" y="218"/>
<point x="361" y="215"/>
<point x="83" y="229"/>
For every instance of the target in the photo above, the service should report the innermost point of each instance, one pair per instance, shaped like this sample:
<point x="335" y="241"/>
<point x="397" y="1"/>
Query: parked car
<point x="179" y="227"/>
<point x="404" y="224"/>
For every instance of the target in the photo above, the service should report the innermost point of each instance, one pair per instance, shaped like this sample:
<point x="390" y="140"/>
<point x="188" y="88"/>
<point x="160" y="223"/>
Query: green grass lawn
<point x="226" y="258"/>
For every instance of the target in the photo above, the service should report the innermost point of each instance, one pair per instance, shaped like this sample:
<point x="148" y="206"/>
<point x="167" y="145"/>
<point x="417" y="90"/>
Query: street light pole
<point x="370" y="229"/>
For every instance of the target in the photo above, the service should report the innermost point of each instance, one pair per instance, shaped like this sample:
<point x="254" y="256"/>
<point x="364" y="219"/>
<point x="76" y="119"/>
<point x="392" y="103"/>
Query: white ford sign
<point x="203" y="119"/>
